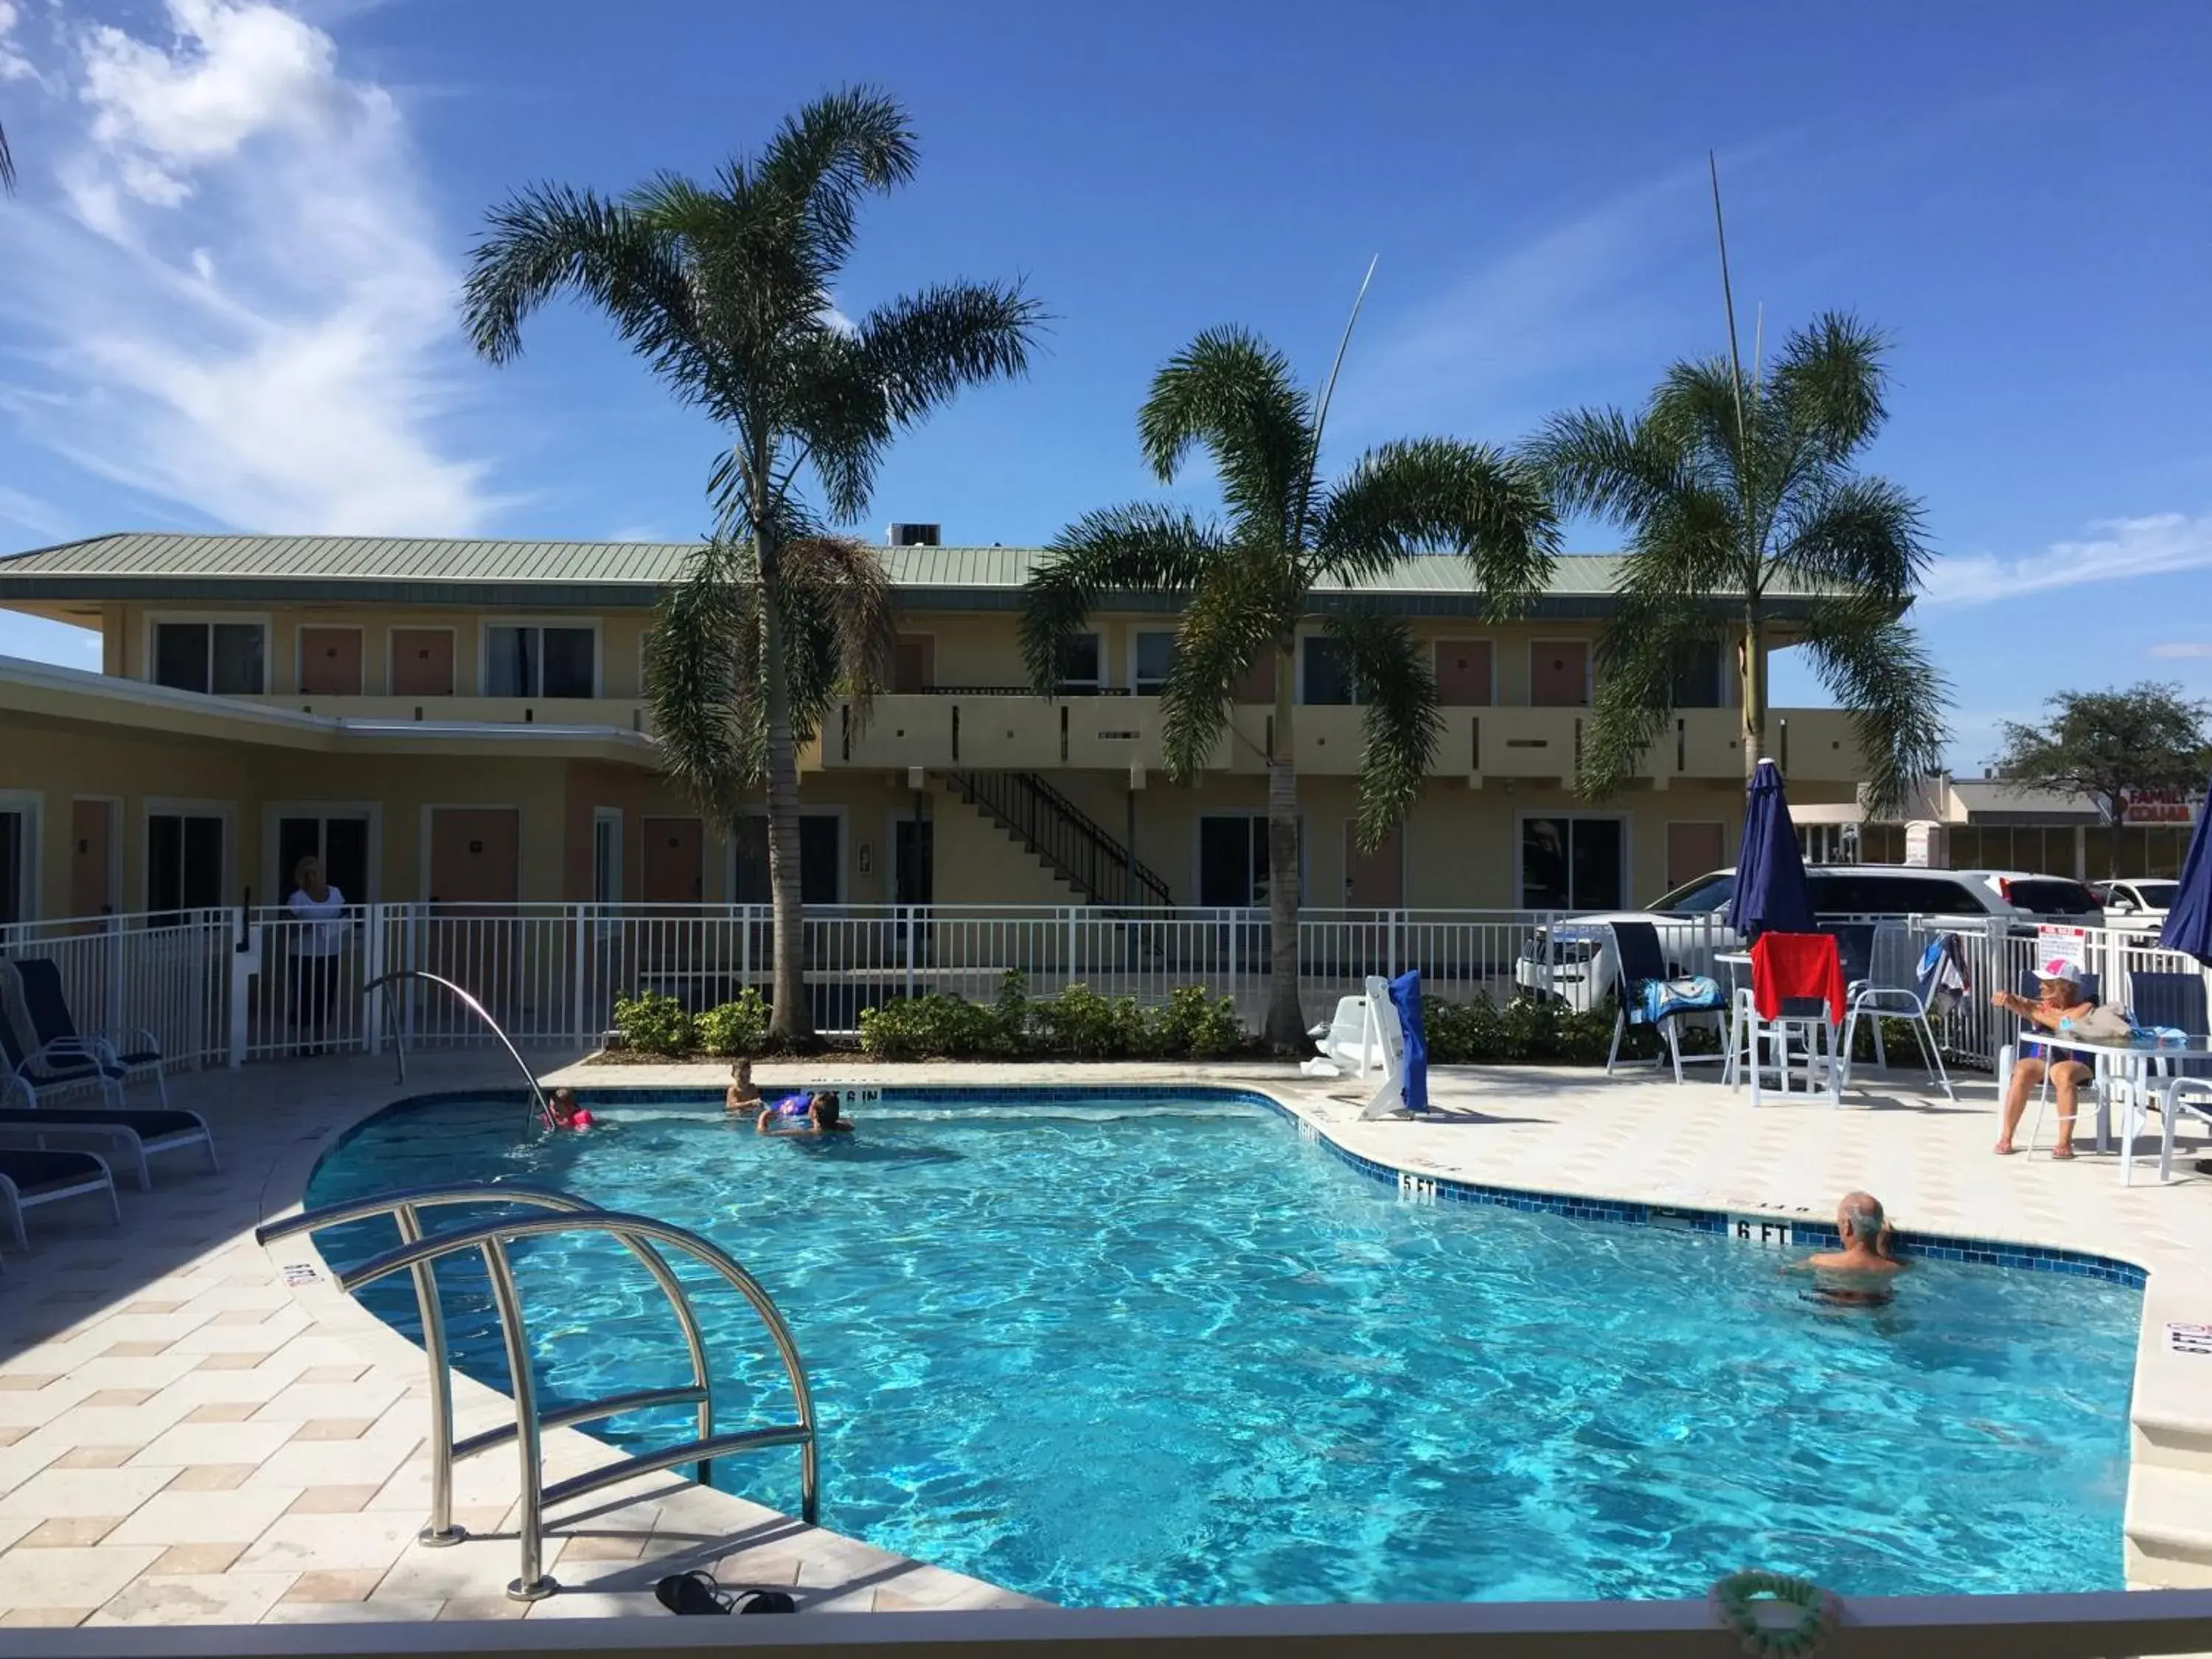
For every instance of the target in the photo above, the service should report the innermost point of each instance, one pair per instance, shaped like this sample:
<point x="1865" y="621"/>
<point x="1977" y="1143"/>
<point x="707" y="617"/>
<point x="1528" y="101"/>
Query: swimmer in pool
<point x="1862" y="1271"/>
<point x="815" y="1114"/>
<point x="560" y="1104"/>
<point x="741" y="1096"/>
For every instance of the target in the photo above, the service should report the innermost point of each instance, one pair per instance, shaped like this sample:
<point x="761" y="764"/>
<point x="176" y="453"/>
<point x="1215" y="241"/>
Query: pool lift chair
<point x="1365" y="1034"/>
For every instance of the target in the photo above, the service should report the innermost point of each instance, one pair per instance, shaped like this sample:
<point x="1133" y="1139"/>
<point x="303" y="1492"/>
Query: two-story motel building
<point x="463" y="720"/>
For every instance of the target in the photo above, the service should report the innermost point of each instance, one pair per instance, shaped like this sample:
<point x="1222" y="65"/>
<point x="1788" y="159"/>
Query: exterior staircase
<point x="1098" y="866"/>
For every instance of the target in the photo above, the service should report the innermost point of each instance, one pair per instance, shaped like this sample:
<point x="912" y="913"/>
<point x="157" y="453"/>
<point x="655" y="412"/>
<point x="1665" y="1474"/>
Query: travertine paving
<point x="187" y="1436"/>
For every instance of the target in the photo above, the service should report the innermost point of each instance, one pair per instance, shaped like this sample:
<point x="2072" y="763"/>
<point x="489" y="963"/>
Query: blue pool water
<point x="1112" y="1351"/>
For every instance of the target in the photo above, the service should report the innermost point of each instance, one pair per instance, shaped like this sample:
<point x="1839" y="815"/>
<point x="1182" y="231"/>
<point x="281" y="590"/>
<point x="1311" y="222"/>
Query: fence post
<point x="372" y="969"/>
<point x="579" y="927"/>
<point x="906" y="912"/>
<point x="245" y="960"/>
<point x="118" y="1008"/>
<point x="1392" y="952"/>
<point x="1071" y="945"/>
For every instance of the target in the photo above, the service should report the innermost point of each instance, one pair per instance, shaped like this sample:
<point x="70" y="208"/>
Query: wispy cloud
<point x="239" y="305"/>
<point x="1489" y="352"/>
<point x="2183" y="648"/>
<point x="2160" y="545"/>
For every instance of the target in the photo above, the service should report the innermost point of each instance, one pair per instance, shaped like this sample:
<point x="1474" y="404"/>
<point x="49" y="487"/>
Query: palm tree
<point x="725" y="288"/>
<point x="1747" y="521"/>
<point x="1246" y="585"/>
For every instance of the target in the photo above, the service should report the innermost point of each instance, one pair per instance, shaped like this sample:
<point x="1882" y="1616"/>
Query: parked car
<point x="2137" y="903"/>
<point x="1569" y="961"/>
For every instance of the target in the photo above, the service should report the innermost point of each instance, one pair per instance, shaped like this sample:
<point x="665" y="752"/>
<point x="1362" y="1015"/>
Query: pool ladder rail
<point x="564" y="1212"/>
<point x="542" y="1113"/>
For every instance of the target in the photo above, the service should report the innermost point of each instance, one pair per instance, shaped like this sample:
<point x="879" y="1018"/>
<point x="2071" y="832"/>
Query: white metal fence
<point x="228" y="986"/>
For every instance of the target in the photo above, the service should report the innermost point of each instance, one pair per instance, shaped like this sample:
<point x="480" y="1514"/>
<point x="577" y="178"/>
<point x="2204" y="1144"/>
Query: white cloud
<point x="2160" y="545"/>
<point x="242" y="305"/>
<point x="2173" y="648"/>
<point x="14" y="66"/>
<point x="1490" y="351"/>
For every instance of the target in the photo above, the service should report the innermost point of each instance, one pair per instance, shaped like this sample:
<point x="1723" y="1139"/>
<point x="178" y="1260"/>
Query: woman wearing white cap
<point x="2058" y="1001"/>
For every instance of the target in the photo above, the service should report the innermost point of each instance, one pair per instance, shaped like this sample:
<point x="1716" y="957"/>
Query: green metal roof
<point x="438" y="570"/>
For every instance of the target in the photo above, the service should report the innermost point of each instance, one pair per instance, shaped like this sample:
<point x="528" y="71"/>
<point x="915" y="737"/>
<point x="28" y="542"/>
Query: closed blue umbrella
<point x="2188" y="922"/>
<point x="1770" y="896"/>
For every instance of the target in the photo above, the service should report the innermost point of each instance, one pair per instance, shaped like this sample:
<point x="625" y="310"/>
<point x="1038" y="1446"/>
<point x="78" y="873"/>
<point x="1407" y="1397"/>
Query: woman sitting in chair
<point x="2058" y="999"/>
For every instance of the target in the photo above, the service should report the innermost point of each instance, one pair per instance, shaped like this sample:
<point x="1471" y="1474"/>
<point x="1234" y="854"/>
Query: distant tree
<point x="725" y="290"/>
<point x="1746" y="518"/>
<point x="2110" y="746"/>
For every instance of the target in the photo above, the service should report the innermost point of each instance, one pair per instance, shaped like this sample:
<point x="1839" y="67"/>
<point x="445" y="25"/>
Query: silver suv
<point x="1569" y="961"/>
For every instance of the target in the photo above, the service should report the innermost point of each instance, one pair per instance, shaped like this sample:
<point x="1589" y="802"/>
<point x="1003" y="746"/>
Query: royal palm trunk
<point x="790" y="1016"/>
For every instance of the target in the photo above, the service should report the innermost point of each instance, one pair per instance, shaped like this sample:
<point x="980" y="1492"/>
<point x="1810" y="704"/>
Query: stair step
<point x="2169" y="1528"/>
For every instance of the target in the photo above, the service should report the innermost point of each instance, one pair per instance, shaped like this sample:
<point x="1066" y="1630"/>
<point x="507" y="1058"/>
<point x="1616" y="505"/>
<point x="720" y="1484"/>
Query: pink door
<point x="1464" y="673"/>
<point x="1376" y="880"/>
<point x="1558" y="673"/>
<point x="421" y="662"/>
<point x="330" y="662"/>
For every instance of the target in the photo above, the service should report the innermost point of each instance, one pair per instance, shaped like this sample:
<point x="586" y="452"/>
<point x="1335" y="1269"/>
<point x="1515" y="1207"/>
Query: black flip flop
<point x="696" y="1591"/>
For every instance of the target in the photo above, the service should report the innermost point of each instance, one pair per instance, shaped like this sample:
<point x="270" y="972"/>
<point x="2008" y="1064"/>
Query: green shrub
<point x="934" y="1027"/>
<point x="1089" y="1026"/>
<point x="1189" y="1024"/>
<point x="736" y="1028"/>
<point x="651" y="1024"/>
<point x="1526" y="1031"/>
<point x="1011" y="1012"/>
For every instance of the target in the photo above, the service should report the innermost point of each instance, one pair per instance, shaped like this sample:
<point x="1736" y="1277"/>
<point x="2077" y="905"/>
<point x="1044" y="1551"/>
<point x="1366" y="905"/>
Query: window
<point x="2048" y="896"/>
<point x="1700" y="897"/>
<point x="539" y="662"/>
<point x="19" y="843"/>
<point x="1079" y="664"/>
<point x="1697" y="677"/>
<point x="1871" y="894"/>
<point x="1571" y="864"/>
<point x="224" y="658"/>
<point x="340" y="841"/>
<point x="1328" y="672"/>
<point x="821" y="848"/>
<point x="1232" y="861"/>
<point x="184" y="863"/>
<point x="1155" y="656"/>
<point x="606" y="856"/>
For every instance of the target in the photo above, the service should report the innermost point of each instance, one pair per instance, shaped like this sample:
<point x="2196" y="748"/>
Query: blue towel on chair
<point x="1692" y="993"/>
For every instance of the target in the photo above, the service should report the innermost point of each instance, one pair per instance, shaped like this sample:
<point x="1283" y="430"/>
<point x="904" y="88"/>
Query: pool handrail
<point x="382" y="982"/>
<point x="417" y="1253"/>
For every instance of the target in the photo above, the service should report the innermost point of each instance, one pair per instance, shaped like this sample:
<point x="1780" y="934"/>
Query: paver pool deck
<point x="193" y="1430"/>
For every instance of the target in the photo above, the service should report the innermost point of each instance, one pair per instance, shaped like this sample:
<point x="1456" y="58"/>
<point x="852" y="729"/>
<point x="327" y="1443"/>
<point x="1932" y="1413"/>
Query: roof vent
<point x="916" y="535"/>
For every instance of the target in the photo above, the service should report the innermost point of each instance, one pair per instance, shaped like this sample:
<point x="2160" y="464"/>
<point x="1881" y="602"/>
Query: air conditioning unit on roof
<point x="916" y="535"/>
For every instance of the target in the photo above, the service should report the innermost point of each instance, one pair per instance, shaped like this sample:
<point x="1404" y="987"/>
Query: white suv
<point x="2137" y="903"/>
<point x="1569" y="961"/>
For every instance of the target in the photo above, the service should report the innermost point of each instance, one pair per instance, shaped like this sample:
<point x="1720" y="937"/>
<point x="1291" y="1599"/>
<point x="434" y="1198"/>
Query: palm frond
<point x="1230" y="393"/>
<point x="843" y="146"/>
<point x="1641" y="655"/>
<point x="1235" y="615"/>
<point x="7" y="165"/>
<point x="552" y="239"/>
<point x="1860" y="533"/>
<point x="1437" y="495"/>
<point x="838" y="588"/>
<point x="1829" y="382"/>
<point x="1600" y="462"/>
<point x="927" y="345"/>
<point x="1399" y="722"/>
<point x="701" y="680"/>
<point x="1875" y="666"/>
<point x="1138" y="549"/>
<point x="1694" y="410"/>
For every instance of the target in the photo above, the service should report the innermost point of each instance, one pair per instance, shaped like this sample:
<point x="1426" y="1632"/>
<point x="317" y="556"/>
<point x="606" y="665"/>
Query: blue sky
<point x="227" y="283"/>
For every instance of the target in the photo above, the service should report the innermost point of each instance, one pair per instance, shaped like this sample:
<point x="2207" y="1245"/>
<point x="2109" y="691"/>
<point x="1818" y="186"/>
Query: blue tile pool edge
<point x="1938" y="1246"/>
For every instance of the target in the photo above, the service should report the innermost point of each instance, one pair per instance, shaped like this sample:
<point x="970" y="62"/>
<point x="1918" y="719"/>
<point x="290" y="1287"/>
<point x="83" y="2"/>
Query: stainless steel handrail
<point x="382" y="982"/>
<point x="416" y="1253"/>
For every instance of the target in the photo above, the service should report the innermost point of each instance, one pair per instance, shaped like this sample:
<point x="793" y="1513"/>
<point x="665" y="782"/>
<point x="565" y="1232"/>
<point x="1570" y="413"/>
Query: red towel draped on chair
<point x="1786" y="966"/>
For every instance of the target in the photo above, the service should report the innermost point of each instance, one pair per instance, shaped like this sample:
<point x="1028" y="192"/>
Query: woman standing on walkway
<point x="317" y="942"/>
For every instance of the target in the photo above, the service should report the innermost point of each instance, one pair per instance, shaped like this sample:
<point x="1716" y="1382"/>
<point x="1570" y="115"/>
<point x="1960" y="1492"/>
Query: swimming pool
<point x="1123" y="1347"/>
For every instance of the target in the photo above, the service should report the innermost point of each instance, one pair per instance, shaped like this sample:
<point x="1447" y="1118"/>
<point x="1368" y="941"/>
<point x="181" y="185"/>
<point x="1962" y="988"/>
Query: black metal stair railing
<point x="1095" y="863"/>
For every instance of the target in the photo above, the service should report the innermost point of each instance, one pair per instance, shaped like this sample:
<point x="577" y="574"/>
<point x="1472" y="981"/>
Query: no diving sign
<point x="2189" y="1339"/>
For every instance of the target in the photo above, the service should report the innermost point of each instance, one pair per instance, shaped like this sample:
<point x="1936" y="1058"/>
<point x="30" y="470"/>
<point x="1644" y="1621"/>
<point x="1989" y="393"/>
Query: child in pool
<point x="741" y="1096"/>
<point x="814" y="1114"/>
<point x="560" y="1104"/>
